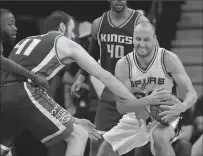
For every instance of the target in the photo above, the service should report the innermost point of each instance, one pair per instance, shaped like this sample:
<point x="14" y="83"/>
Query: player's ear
<point x="154" y="36"/>
<point x="62" y="27"/>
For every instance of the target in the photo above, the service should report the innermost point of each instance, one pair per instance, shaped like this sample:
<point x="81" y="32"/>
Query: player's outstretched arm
<point x="68" y="49"/>
<point x="175" y="67"/>
<point x="122" y="73"/>
<point x="10" y="66"/>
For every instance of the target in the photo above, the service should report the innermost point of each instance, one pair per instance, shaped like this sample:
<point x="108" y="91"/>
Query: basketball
<point x="155" y="110"/>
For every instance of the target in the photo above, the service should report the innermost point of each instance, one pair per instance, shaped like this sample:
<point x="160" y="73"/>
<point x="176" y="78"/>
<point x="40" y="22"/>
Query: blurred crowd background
<point x="178" y="27"/>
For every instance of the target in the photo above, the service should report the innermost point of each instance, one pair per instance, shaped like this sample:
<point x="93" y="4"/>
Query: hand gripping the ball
<point x="173" y="110"/>
<point x="157" y="111"/>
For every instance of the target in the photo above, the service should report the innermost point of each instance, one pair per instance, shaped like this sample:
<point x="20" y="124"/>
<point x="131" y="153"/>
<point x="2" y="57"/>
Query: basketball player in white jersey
<point x="111" y="39"/>
<point x="144" y="71"/>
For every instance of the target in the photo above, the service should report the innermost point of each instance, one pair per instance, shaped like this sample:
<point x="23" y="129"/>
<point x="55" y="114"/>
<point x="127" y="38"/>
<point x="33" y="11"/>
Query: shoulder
<point x="142" y="18"/>
<point x="64" y="41"/>
<point x="170" y="57"/>
<point x="122" y="61"/>
<point x="171" y="61"/>
<point x="95" y="27"/>
<point x="65" y="44"/>
<point x="67" y="49"/>
<point x="97" y="21"/>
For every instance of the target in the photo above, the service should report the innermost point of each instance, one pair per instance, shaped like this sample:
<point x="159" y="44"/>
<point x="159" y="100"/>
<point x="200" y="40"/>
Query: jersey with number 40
<point x="115" y="41"/>
<point x="37" y="54"/>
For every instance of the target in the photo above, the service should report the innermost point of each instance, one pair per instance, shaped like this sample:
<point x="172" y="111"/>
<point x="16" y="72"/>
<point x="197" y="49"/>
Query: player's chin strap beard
<point x="2" y="37"/>
<point x="6" y="38"/>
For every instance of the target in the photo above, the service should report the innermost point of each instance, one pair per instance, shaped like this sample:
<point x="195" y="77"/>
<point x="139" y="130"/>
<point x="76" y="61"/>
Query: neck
<point x="147" y="59"/>
<point x="119" y="15"/>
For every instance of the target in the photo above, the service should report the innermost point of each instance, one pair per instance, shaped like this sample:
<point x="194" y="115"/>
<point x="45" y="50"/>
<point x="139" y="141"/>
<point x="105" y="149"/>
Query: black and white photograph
<point x="101" y="78"/>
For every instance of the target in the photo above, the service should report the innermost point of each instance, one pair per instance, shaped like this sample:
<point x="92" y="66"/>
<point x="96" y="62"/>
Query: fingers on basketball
<point x="156" y="110"/>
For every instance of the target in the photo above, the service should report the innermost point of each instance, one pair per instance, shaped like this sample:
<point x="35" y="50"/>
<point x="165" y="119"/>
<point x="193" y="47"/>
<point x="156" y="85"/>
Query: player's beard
<point x="5" y="37"/>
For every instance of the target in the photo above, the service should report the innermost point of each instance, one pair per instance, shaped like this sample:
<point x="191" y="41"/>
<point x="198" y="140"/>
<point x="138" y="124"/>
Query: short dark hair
<point x="4" y="11"/>
<point x="53" y="21"/>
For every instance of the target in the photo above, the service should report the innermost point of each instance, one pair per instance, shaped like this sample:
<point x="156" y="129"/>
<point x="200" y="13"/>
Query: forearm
<point x="12" y="67"/>
<point x="93" y="51"/>
<point x="116" y="86"/>
<point x="190" y="99"/>
<point x="128" y="107"/>
<point x="82" y="75"/>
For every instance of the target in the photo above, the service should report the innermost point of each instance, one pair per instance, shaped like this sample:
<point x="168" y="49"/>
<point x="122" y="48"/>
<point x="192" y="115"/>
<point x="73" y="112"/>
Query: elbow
<point x="193" y="96"/>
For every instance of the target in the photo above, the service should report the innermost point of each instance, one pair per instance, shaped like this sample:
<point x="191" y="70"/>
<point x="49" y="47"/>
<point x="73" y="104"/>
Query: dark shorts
<point x="24" y="106"/>
<point x="107" y="115"/>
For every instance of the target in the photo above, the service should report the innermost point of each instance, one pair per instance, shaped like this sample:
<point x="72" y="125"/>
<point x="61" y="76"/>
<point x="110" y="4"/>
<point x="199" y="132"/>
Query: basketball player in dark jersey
<point x="112" y="38"/>
<point x="8" y="34"/>
<point x="25" y="106"/>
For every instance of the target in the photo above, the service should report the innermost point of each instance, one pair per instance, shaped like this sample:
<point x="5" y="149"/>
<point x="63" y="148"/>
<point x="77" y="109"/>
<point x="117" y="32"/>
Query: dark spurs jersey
<point x="37" y="54"/>
<point x="115" y="42"/>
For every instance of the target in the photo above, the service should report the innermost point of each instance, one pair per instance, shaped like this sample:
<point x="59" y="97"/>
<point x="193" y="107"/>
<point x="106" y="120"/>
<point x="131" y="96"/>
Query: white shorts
<point x="130" y="133"/>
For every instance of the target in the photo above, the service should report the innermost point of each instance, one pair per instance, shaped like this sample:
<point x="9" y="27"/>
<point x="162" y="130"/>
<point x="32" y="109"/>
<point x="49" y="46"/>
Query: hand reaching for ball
<point x="159" y="97"/>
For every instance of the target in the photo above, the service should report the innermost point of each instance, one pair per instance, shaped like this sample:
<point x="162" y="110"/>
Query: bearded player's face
<point x="118" y="5"/>
<point x="8" y="28"/>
